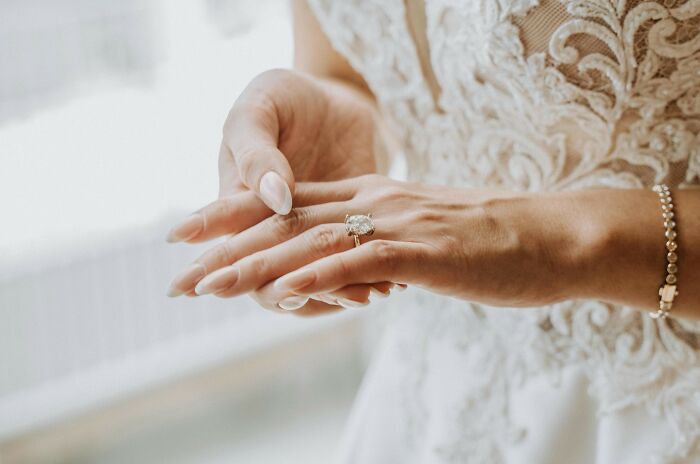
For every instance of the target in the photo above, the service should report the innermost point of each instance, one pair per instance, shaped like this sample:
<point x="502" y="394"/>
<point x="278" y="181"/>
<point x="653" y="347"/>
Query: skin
<point x="316" y="128"/>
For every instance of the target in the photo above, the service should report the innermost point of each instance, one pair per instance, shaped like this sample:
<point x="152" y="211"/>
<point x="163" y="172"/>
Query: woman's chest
<point x="555" y="91"/>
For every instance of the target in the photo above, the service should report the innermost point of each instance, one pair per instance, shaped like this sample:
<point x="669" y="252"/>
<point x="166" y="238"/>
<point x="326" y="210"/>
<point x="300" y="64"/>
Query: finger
<point x="377" y="260"/>
<point x="257" y="269"/>
<point x="229" y="181"/>
<point x="352" y="296"/>
<point x="224" y="216"/>
<point x="239" y="211"/>
<point x="314" y="193"/>
<point x="265" y="234"/>
<point x="251" y="135"/>
<point x="281" y="302"/>
<point x="357" y="293"/>
<point x="382" y="289"/>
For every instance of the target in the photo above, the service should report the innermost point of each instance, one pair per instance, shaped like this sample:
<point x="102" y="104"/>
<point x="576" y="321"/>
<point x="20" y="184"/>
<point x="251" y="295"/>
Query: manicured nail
<point x="293" y="303"/>
<point x="217" y="281"/>
<point x="379" y="293"/>
<point x="275" y="193"/>
<point x="324" y="299"/>
<point x="347" y="303"/>
<point x="295" y="280"/>
<point x="187" y="229"/>
<point x="186" y="280"/>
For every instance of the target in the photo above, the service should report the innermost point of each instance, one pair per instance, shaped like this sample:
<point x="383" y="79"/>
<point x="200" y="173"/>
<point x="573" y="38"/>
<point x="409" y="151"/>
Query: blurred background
<point x="110" y="117"/>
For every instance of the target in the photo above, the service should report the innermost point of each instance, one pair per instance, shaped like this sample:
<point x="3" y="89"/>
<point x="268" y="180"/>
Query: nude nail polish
<point x="217" y="281"/>
<point x="378" y="293"/>
<point x="186" y="280"/>
<point x="187" y="229"/>
<point x="292" y="303"/>
<point x="324" y="299"/>
<point x="295" y="280"/>
<point x="275" y="193"/>
<point x="347" y="303"/>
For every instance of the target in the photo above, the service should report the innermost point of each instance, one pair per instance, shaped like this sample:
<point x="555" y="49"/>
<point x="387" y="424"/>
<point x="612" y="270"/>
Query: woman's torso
<point x="537" y="95"/>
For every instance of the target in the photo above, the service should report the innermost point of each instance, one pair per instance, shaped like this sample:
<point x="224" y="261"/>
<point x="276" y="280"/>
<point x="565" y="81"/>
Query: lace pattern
<point x="545" y="95"/>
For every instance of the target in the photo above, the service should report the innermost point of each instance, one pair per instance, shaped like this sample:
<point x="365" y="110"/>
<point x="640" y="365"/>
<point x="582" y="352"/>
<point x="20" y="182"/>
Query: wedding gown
<point x="531" y="95"/>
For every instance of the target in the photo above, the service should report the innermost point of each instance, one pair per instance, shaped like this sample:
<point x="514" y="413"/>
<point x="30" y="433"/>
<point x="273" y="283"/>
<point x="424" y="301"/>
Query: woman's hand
<point x="288" y="126"/>
<point x="490" y="246"/>
<point x="252" y="229"/>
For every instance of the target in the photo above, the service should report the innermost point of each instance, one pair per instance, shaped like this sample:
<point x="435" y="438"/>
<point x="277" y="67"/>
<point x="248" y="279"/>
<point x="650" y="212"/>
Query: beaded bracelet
<point x="668" y="291"/>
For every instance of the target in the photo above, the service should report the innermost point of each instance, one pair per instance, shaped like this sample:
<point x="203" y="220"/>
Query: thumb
<point x="251" y="136"/>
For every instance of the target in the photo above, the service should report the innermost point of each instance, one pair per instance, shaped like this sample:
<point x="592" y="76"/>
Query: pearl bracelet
<point x="668" y="291"/>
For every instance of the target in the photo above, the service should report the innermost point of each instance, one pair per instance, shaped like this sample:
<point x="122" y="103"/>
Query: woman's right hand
<point x="288" y="126"/>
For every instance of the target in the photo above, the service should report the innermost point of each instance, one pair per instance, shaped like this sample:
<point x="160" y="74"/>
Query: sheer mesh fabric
<point x="540" y="23"/>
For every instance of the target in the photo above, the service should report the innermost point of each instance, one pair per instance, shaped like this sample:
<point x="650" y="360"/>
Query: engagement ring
<point x="358" y="225"/>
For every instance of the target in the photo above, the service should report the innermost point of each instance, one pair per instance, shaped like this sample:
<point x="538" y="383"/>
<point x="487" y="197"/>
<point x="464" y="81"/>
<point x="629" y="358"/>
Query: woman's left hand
<point x="490" y="246"/>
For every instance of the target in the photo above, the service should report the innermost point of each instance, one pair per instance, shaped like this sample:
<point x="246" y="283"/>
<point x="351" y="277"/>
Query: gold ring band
<point x="358" y="225"/>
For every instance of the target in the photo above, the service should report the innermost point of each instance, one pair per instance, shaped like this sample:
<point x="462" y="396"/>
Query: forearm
<point x="620" y="253"/>
<point x="314" y="54"/>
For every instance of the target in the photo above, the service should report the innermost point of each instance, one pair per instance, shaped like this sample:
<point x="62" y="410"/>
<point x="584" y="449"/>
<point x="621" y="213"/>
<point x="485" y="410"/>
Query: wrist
<point x="618" y="253"/>
<point x="568" y="242"/>
<point x="545" y="240"/>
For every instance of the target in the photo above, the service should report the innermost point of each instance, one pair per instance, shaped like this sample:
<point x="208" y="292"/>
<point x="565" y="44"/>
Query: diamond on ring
<point x="358" y="225"/>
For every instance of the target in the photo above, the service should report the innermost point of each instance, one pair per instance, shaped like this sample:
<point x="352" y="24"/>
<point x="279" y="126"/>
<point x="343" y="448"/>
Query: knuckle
<point x="217" y="257"/>
<point x="229" y="208"/>
<point x="291" y="224"/>
<point x="391" y="193"/>
<point x="324" y="239"/>
<point x="341" y="265"/>
<point x="368" y="180"/>
<point x="423" y="215"/>
<point x="257" y="265"/>
<point x="384" y="251"/>
<point x="245" y="159"/>
<point x="227" y="253"/>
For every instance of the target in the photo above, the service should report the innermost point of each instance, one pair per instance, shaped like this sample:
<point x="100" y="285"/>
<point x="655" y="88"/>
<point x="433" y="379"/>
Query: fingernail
<point x="217" y="281"/>
<point x="186" y="280"/>
<point x="293" y="303"/>
<point x="346" y="303"/>
<point x="275" y="193"/>
<point x="402" y="287"/>
<point x="379" y="293"/>
<point x="296" y="280"/>
<point x="187" y="229"/>
<point x="324" y="298"/>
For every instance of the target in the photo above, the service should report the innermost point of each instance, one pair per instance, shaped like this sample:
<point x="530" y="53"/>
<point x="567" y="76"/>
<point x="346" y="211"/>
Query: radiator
<point x="91" y="328"/>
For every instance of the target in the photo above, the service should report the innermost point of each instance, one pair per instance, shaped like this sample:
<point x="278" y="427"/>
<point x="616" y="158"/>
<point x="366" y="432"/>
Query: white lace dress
<point x="531" y="95"/>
